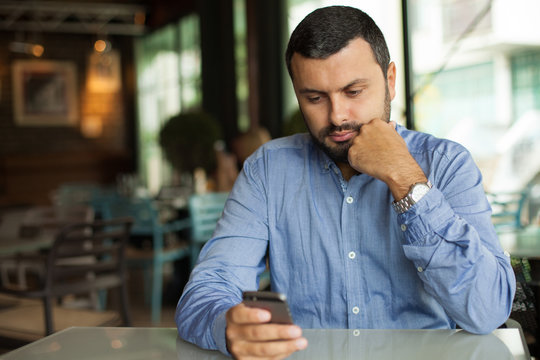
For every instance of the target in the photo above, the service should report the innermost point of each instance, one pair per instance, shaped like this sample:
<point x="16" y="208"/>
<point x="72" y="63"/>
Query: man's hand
<point x="381" y="152"/>
<point x="251" y="336"/>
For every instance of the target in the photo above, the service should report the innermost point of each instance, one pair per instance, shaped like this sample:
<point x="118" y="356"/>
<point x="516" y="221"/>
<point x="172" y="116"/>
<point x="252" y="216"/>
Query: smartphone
<point x="274" y="302"/>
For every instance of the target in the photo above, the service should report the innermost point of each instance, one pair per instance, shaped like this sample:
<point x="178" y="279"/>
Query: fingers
<point x="268" y="332"/>
<point x="246" y="323"/>
<point x="251" y="336"/>
<point x="266" y="350"/>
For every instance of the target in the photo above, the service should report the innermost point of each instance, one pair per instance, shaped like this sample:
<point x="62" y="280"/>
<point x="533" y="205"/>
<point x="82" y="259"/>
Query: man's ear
<point x="391" y="80"/>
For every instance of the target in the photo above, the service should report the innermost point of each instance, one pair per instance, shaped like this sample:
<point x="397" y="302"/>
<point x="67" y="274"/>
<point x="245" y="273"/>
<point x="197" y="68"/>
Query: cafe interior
<point x="134" y="117"/>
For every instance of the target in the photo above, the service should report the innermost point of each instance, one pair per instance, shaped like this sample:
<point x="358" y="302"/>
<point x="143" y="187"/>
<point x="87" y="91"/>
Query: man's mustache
<point x="327" y="131"/>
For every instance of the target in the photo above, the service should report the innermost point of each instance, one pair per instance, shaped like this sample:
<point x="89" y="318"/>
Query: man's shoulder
<point x="287" y="145"/>
<point x="421" y="142"/>
<point x="296" y="141"/>
<point x="284" y="152"/>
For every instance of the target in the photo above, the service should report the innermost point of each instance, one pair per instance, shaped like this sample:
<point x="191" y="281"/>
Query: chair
<point x="147" y="223"/>
<point x="524" y="308"/>
<point x="84" y="258"/>
<point x="204" y="212"/>
<point x="74" y="193"/>
<point x="30" y="223"/>
<point x="508" y="209"/>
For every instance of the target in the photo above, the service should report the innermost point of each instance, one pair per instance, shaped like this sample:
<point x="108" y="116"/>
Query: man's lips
<point x="342" y="136"/>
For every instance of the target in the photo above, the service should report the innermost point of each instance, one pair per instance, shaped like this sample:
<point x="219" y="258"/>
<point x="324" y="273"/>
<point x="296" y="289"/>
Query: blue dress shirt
<point x="343" y="256"/>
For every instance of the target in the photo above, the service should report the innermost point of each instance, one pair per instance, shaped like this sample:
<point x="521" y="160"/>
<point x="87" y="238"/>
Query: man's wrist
<point x="415" y="194"/>
<point x="400" y="187"/>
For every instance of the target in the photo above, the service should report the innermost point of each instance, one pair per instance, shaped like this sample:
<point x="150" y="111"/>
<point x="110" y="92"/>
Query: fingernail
<point x="301" y="343"/>
<point x="264" y="316"/>
<point x="295" y="331"/>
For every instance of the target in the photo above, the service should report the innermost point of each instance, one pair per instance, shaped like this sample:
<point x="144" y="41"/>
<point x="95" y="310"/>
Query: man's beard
<point x="339" y="152"/>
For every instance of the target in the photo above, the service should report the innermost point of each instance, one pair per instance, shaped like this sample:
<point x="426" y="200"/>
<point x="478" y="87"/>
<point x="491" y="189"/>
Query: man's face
<point x="339" y="94"/>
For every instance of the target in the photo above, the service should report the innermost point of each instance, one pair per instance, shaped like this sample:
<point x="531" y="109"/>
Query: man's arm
<point x="209" y="313"/>
<point x="448" y="235"/>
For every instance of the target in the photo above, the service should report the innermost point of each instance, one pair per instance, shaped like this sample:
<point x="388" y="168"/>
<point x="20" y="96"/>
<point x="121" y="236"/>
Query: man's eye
<point x="314" y="99"/>
<point x="354" y="92"/>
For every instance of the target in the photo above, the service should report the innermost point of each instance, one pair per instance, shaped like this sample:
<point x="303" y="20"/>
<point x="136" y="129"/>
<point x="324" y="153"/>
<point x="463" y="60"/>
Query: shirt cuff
<point x="218" y="332"/>
<point x="429" y="214"/>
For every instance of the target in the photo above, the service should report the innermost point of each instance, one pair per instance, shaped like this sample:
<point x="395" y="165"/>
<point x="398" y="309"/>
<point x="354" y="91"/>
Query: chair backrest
<point x="87" y="257"/>
<point x="57" y="216"/>
<point x="508" y="209"/>
<point x="204" y="212"/>
<point x="145" y="215"/>
<point x="74" y="193"/>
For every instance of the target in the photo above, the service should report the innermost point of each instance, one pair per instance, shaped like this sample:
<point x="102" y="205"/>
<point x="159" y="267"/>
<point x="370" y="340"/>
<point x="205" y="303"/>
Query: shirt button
<point x="352" y="255"/>
<point x="350" y="200"/>
<point x="403" y="227"/>
<point x="419" y="269"/>
<point x="355" y="310"/>
<point x="356" y="332"/>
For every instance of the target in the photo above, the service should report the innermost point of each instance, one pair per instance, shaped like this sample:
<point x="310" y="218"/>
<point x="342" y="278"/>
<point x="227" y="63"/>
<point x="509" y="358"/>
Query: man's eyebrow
<point x="355" y="82"/>
<point x="310" y="91"/>
<point x="352" y="83"/>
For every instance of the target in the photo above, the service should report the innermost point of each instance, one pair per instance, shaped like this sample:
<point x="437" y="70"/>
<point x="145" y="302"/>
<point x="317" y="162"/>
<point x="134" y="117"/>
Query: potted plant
<point x="187" y="141"/>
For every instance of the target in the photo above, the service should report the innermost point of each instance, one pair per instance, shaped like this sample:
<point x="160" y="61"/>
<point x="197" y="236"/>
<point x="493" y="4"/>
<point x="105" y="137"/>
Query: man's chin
<point x="339" y="152"/>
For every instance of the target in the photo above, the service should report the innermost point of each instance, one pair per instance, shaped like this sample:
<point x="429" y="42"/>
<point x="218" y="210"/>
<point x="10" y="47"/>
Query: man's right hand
<point x="250" y="335"/>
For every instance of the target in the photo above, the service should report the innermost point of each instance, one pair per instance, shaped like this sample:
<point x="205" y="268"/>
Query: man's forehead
<point x="333" y="74"/>
<point x="358" y="46"/>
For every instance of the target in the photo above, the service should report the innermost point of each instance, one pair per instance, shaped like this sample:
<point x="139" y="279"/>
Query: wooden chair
<point x="32" y="222"/>
<point x="524" y="306"/>
<point x="147" y="223"/>
<point x="84" y="258"/>
<point x="204" y="212"/>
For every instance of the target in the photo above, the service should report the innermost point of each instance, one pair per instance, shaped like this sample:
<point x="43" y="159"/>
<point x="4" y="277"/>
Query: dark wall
<point x="15" y="139"/>
<point x="24" y="148"/>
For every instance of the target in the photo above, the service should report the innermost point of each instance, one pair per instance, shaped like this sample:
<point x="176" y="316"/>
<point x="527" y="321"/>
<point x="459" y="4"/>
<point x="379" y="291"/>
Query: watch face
<point x="418" y="191"/>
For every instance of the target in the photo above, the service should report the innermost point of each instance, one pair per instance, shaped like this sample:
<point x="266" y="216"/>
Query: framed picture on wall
<point x="45" y="93"/>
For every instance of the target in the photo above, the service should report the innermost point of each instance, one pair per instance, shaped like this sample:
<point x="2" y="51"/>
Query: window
<point x="168" y="65"/>
<point x="477" y="81"/>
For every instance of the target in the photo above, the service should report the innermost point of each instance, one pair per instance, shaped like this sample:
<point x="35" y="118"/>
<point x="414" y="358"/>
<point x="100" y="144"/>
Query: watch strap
<point x="407" y="202"/>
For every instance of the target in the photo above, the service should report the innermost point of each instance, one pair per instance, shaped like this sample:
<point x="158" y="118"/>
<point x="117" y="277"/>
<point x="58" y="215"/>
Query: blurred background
<point x="86" y="86"/>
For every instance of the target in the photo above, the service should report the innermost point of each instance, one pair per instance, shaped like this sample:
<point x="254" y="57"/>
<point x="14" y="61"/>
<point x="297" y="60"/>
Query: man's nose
<point x="338" y="111"/>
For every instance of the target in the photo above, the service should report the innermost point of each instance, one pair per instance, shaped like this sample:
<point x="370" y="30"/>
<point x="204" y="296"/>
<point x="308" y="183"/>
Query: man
<point x="366" y="224"/>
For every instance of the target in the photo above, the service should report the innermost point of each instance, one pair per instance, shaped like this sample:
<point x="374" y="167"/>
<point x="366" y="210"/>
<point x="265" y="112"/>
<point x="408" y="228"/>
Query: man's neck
<point x="346" y="170"/>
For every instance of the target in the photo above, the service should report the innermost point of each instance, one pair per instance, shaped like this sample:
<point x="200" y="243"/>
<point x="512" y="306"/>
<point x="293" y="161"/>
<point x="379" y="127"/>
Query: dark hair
<point x="327" y="30"/>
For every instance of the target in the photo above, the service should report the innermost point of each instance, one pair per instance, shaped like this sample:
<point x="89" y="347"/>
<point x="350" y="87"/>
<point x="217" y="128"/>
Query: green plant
<point x="188" y="141"/>
<point x="294" y="124"/>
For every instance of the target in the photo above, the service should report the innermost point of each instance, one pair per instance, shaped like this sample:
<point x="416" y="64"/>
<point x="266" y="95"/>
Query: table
<point x="163" y="343"/>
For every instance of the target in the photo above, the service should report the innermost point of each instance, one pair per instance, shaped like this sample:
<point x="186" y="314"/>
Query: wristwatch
<point x="416" y="192"/>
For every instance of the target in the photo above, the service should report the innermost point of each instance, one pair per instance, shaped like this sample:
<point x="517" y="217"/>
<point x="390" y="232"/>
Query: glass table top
<point x="163" y="343"/>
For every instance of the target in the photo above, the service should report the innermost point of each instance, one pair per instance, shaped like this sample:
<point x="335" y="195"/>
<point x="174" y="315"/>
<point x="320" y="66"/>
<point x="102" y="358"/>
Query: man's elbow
<point x="484" y="322"/>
